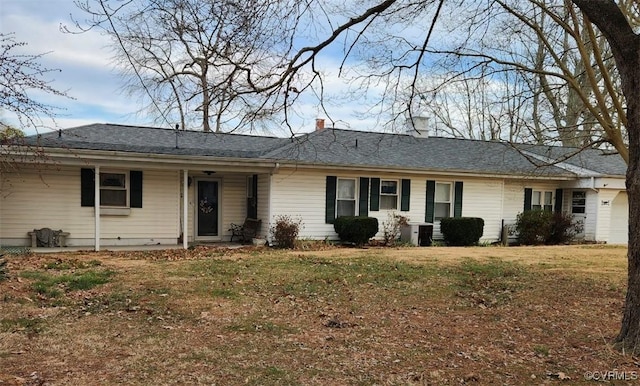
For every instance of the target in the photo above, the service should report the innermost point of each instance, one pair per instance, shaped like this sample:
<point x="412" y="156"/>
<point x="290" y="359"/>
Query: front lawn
<point x="485" y="315"/>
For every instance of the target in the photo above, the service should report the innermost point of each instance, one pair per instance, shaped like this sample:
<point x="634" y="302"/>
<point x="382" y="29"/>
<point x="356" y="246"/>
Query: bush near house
<point x="536" y="227"/>
<point x="462" y="231"/>
<point x="285" y="231"/>
<point x="392" y="227"/>
<point x="356" y="229"/>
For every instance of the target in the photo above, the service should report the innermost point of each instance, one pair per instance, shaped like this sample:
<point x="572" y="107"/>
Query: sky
<point x="86" y="73"/>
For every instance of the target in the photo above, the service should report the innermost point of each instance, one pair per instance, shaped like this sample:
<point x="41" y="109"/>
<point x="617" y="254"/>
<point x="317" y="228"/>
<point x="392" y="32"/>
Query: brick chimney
<point x="319" y="124"/>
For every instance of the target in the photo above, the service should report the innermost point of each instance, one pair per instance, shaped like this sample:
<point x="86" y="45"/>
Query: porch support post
<point x="96" y="206"/>
<point x="185" y="207"/>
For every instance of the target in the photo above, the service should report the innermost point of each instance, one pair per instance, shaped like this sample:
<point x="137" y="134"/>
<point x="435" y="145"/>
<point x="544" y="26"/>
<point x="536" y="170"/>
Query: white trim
<point x="96" y="205"/>
<point x="451" y="198"/>
<point x="398" y="194"/>
<point x="356" y="185"/>
<point x="185" y="207"/>
<point x="114" y="211"/>
<point x="127" y="186"/>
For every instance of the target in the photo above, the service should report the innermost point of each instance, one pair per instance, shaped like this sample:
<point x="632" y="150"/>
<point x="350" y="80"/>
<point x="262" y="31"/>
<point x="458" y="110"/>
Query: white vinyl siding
<point x="301" y="194"/>
<point x="39" y="197"/>
<point x="605" y="213"/>
<point x="619" y="228"/>
<point x="483" y="198"/>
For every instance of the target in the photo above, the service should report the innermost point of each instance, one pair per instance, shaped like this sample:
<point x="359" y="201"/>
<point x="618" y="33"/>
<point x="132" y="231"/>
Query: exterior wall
<point x="619" y="222"/>
<point x="589" y="218"/>
<point x="605" y="213"/>
<point x="301" y="194"/>
<point x="484" y="198"/>
<point x="233" y="202"/>
<point x="38" y="197"/>
<point x="514" y="196"/>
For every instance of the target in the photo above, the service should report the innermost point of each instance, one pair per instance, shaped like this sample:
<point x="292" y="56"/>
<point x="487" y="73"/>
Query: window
<point x="346" y="197"/>
<point x="578" y="202"/>
<point x="388" y="194"/>
<point x="442" y="207"/>
<point x="541" y="200"/>
<point x="113" y="189"/>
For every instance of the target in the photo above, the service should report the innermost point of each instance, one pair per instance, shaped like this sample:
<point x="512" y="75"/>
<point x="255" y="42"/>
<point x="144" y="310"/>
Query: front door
<point x="207" y="212"/>
<point x="579" y="211"/>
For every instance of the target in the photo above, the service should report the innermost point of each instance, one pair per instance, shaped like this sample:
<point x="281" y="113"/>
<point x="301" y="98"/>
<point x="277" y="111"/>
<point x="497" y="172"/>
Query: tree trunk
<point x="625" y="45"/>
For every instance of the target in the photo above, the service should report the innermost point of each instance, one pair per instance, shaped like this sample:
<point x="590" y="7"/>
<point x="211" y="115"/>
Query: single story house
<point x="114" y="185"/>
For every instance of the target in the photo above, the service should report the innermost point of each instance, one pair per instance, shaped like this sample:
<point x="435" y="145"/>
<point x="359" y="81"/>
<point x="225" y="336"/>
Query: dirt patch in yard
<point x="432" y="316"/>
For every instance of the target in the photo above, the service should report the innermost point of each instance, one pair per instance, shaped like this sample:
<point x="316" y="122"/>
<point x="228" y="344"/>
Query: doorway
<point x="207" y="210"/>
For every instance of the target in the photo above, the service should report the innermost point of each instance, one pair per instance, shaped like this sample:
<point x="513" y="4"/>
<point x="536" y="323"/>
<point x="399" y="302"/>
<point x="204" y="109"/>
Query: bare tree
<point x="21" y="75"/>
<point x="187" y="58"/>
<point x="625" y="45"/>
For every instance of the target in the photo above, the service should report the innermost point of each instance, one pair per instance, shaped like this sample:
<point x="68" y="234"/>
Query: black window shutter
<point x="135" y="193"/>
<point x="330" y="202"/>
<point x="363" y="204"/>
<point x="252" y="202"/>
<point x="87" y="187"/>
<point x="406" y="194"/>
<point x="457" y="199"/>
<point x="374" y="203"/>
<point x="558" y="203"/>
<point x="431" y="201"/>
<point x="528" y="193"/>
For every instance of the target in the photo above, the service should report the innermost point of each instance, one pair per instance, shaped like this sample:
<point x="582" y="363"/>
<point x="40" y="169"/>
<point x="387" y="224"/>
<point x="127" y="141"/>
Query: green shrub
<point x="462" y="231"/>
<point x="285" y="231"/>
<point x="536" y="227"/>
<point x="562" y="229"/>
<point x="356" y="229"/>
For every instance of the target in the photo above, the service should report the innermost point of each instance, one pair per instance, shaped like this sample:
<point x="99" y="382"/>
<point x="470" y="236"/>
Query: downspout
<point x="593" y="184"/>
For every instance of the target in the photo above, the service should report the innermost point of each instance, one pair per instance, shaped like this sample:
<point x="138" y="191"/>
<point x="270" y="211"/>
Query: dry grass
<point x="485" y="315"/>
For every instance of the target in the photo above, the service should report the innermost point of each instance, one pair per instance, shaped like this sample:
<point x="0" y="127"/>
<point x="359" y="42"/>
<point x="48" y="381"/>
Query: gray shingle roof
<point x="151" y="140"/>
<point x="367" y="149"/>
<point x="334" y="148"/>
<point x="599" y="161"/>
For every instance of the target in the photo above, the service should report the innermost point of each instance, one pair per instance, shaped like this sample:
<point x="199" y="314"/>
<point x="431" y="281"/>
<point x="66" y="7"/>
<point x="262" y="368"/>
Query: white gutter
<point x="231" y="164"/>
<point x="454" y="172"/>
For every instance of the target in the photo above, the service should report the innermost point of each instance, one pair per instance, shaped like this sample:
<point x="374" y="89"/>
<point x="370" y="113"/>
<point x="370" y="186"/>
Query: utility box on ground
<point x="418" y="234"/>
